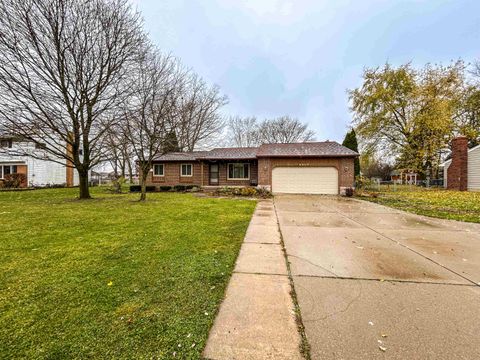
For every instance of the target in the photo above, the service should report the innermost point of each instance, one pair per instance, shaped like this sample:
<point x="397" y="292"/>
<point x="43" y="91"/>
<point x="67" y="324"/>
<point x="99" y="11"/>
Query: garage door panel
<point x="305" y="180"/>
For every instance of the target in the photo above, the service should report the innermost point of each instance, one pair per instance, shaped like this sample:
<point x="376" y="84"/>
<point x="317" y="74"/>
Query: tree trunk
<point x="129" y="164"/>
<point x="143" y="183"/>
<point x="83" y="182"/>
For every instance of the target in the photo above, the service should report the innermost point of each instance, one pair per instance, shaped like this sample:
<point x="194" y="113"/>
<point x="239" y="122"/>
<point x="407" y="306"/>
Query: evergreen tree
<point x="170" y="143"/>
<point x="350" y="142"/>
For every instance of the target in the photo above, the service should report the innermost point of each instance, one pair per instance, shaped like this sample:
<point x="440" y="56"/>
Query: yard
<point x="112" y="277"/>
<point x="440" y="203"/>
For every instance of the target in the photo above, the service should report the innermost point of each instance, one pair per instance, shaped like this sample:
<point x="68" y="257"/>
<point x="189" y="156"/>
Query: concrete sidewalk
<point x="257" y="320"/>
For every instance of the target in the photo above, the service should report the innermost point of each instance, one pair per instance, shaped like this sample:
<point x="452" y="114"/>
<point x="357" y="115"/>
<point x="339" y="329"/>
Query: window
<point x="7" y="170"/>
<point x="40" y="146"/>
<point x="158" y="170"/>
<point x="239" y="171"/>
<point x="5" y="143"/>
<point x="186" y="170"/>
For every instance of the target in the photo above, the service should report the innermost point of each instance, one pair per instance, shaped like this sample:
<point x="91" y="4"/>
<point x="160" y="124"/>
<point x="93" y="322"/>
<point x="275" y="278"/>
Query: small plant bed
<point x="243" y="192"/>
<point x="439" y="203"/>
<point x="111" y="277"/>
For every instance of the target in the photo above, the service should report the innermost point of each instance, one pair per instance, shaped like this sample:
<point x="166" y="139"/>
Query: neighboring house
<point x="462" y="171"/>
<point x="404" y="176"/>
<point x="37" y="171"/>
<point x="310" y="168"/>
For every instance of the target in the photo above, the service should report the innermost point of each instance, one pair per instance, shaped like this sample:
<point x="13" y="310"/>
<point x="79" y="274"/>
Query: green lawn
<point x="440" y="203"/>
<point x="112" y="277"/>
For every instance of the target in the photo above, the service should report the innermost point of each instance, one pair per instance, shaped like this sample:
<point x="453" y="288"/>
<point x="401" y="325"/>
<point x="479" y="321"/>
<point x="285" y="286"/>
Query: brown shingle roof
<point x="309" y="149"/>
<point x="312" y="149"/>
<point x="241" y="153"/>
<point x="180" y="156"/>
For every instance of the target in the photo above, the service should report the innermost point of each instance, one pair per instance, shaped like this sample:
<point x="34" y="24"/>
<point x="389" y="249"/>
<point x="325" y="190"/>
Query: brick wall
<point x="457" y="173"/>
<point x="223" y="175"/>
<point x="171" y="177"/>
<point x="22" y="169"/>
<point x="346" y="177"/>
<point x="260" y="172"/>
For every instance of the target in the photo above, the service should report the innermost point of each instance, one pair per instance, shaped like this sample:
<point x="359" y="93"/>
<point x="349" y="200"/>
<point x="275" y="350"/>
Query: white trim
<point x="181" y="168"/>
<point x="163" y="170"/>
<point x="238" y="163"/>
<point x="2" y="174"/>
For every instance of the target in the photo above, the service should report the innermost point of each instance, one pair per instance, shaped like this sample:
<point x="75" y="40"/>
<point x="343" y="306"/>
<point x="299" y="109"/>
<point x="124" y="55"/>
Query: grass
<point x="112" y="277"/>
<point x="439" y="203"/>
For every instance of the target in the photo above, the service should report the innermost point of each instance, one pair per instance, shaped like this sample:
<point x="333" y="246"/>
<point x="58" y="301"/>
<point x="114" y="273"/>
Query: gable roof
<point x="180" y="156"/>
<point x="241" y="153"/>
<point x="309" y="149"/>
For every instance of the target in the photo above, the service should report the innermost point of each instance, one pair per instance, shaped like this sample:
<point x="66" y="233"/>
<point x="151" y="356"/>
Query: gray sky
<point x="298" y="57"/>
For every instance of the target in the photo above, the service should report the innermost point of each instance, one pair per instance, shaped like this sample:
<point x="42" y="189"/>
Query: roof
<point x="180" y="156"/>
<point x="308" y="149"/>
<point x="311" y="149"/>
<point x="241" y="153"/>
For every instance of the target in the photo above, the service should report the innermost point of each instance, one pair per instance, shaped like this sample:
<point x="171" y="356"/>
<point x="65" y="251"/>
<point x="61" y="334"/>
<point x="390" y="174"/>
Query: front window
<point x="239" y="171"/>
<point x="158" y="170"/>
<point x="5" y="143"/>
<point x="7" y="170"/>
<point x="187" y="170"/>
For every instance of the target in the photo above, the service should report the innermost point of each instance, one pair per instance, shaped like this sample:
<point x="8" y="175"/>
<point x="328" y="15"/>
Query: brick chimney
<point x="457" y="173"/>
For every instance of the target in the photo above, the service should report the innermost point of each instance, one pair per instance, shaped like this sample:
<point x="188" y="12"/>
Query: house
<point x="404" y="176"/>
<point x="462" y="171"/>
<point x="310" y="168"/>
<point x="20" y="156"/>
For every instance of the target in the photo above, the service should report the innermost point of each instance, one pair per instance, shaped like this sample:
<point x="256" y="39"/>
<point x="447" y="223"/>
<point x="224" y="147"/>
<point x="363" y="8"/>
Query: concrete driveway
<point x="376" y="283"/>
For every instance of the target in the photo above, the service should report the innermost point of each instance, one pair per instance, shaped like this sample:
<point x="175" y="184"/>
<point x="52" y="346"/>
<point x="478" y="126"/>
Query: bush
<point x="14" y="181"/>
<point x="165" y="188"/>
<point x="189" y="187"/>
<point x="117" y="184"/>
<point x="349" y="192"/>
<point x="179" y="187"/>
<point x="245" y="191"/>
<point x="138" y="188"/>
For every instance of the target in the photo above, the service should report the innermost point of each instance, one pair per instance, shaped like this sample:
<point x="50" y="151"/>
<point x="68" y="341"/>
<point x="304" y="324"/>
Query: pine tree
<point x="350" y="142"/>
<point x="171" y="143"/>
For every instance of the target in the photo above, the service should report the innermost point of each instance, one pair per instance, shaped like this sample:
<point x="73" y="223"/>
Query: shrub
<point x="135" y="188"/>
<point x="349" y="192"/>
<point x="248" y="191"/>
<point x="263" y="192"/>
<point x="179" y="187"/>
<point x="14" y="181"/>
<point x="138" y="188"/>
<point x="117" y="184"/>
<point x="189" y="187"/>
<point x="165" y="188"/>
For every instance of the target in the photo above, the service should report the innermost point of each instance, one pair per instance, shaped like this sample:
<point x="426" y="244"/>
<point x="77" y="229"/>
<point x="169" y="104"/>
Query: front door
<point x="213" y="174"/>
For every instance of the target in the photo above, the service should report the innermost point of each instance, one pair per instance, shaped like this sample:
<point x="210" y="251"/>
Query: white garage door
<point x="305" y="180"/>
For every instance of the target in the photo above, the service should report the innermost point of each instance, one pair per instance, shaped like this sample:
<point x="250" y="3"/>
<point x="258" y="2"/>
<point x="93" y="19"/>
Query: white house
<point x="33" y="164"/>
<point x="454" y="175"/>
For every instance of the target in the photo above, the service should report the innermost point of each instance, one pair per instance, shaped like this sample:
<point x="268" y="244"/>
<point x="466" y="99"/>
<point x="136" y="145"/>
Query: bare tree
<point x="120" y="153"/>
<point x="198" y="109"/>
<point x="284" y="129"/>
<point x="151" y="113"/>
<point x="63" y="65"/>
<point x="244" y="131"/>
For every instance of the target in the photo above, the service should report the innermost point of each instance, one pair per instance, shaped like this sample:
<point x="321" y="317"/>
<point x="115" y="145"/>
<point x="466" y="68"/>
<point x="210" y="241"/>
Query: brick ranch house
<point x="308" y="168"/>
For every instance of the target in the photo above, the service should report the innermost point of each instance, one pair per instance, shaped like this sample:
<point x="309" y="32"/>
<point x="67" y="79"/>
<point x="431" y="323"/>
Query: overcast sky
<point x="298" y="57"/>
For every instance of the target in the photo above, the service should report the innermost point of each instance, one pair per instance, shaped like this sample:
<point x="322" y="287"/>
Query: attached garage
<point x="305" y="180"/>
